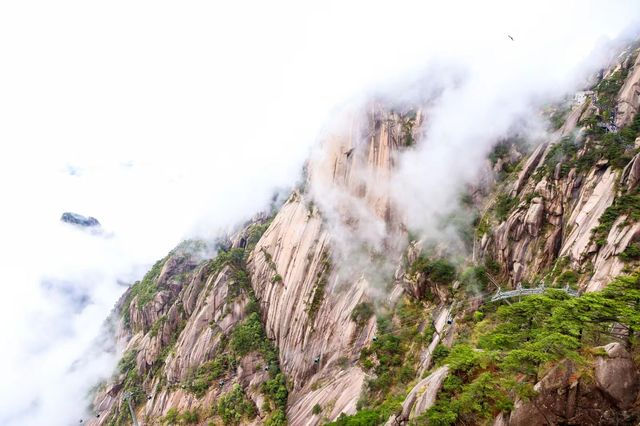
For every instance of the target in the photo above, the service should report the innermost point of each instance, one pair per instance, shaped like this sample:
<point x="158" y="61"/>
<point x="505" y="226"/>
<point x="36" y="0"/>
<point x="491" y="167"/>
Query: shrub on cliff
<point x="440" y="271"/>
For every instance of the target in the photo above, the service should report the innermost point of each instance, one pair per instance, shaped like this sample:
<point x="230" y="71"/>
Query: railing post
<point x="127" y="397"/>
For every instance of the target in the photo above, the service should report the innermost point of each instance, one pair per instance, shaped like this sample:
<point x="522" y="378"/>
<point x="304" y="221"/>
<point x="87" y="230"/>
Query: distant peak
<point x="80" y="220"/>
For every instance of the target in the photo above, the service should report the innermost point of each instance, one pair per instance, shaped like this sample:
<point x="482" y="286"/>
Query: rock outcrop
<point x="629" y="96"/>
<point x="617" y="376"/>
<point x="177" y="340"/>
<point x="420" y="398"/>
<point x="565" y="397"/>
<point x="78" y="219"/>
<point x="561" y="194"/>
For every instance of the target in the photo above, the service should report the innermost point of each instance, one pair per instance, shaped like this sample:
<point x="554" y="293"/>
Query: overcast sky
<point x="171" y="119"/>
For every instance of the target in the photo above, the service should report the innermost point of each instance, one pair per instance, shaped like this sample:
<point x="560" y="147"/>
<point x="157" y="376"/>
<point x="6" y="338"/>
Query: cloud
<point x="476" y="85"/>
<point x="166" y="120"/>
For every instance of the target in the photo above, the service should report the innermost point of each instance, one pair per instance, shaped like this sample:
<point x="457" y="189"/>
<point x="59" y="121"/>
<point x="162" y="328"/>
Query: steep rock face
<point x="168" y="282"/>
<point x="305" y="300"/>
<point x="350" y="179"/>
<point x="295" y="248"/>
<point x="421" y="397"/>
<point x="178" y="343"/>
<point x="442" y="329"/>
<point x="596" y="195"/>
<point x="180" y="317"/>
<point x="334" y="394"/>
<point x="629" y="96"/>
<point x="213" y="315"/>
<point x="565" y="398"/>
<point x="562" y="192"/>
<point x="311" y="269"/>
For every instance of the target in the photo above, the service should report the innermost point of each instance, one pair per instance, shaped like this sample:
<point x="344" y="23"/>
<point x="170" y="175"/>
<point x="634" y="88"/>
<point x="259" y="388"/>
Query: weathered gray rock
<point x="629" y="96"/>
<point x="565" y="396"/>
<point x="501" y="420"/>
<point x="617" y="376"/>
<point x="530" y="240"/>
<point x="420" y="398"/>
<point x="631" y="173"/>
<point x="425" y="392"/>
<point x="553" y="398"/>
<point x="534" y="216"/>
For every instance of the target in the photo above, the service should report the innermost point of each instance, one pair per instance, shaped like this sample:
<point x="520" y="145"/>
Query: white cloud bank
<point x="164" y="119"/>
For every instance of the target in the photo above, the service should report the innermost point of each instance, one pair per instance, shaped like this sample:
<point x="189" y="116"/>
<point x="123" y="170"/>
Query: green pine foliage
<point x="207" y="373"/>
<point x="523" y="340"/>
<point x="234" y="407"/>
<point x="627" y="205"/>
<point x="503" y="206"/>
<point x="475" y="279"/>
<point x="322" y="279"/>
<point x="632" y="252"/>
<point x="371" y="416"/>
<point x="392" y="359"/>
<point x="174" y="417"/>
<point x="439" y="271"/>
<point x="361" y="313"/>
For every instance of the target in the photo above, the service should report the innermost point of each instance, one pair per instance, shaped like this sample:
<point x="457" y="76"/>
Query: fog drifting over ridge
<point x="170" y="120"/>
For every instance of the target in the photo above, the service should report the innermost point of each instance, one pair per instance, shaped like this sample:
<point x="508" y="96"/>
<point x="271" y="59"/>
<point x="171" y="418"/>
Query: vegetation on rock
<point x="234" y="406"/>
<point x="503" y="206"/>
<point x="627" y="205"/>
<point x="439" y="271"/>
<point x="144" y="290"/>
<point x="174" y="417"/>
<point x="392" y="359"/>
<point x="207" y="373"/>
<point x="632" y="252"/>
<point x="361" y="313"/>
<point x="322" y="278"/>
<point x="521" y="341"/>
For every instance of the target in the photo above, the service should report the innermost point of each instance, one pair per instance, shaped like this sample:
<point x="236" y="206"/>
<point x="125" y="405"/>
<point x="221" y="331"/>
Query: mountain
<point x="79" y="220"/>
<point x="329" y="309"/>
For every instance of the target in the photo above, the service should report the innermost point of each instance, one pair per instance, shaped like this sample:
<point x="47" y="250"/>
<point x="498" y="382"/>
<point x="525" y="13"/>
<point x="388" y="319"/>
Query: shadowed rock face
<point x="78" y="219"/>
<point x="564" y="397"/>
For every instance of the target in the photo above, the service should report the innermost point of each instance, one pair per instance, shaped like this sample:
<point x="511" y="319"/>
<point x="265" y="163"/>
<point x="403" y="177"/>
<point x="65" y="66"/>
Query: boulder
<point x="616" y="375"/>
<point x="567" y="396"/>
<point x="534" y="216"/>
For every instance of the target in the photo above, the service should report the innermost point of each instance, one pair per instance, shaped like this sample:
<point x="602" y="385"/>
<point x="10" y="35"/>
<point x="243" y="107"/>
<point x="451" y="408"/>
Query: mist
<point x="167" y="121"/>
<point x="483" y="81"/>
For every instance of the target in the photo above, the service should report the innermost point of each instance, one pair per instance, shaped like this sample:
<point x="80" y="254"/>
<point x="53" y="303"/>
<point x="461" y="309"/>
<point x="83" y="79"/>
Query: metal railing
<point x="521" y="291"/>
<point x="127" y="397"/>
